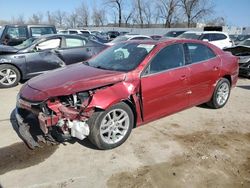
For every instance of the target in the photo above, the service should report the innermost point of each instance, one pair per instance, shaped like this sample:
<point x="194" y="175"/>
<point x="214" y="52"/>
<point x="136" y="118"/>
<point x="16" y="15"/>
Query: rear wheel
<point x="111" y="128"/>
<point x="9" y="76"/>
<point x="221" y="94"/>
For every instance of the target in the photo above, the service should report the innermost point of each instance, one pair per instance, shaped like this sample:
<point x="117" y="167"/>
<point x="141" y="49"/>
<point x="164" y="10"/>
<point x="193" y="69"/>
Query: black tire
<point x="214" y="102"/>
<point x="11" y="81"/>
<point x="95" y="125"/>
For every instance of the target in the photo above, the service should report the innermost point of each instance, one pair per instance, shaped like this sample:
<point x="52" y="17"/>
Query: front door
<point x="43" y="58"/>
<point x="165" y="83"/>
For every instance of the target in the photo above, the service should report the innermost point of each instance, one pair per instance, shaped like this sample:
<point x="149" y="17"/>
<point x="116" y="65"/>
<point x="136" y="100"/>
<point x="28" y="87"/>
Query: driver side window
<point x="170" y="57"/>
<point x="49" y="44"/>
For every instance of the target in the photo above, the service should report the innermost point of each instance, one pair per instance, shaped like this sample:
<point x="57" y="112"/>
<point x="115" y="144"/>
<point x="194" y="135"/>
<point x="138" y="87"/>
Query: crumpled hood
<point x="69" y="80"/>
<point x="239" y="50"/>
<point x="7" y="49"/>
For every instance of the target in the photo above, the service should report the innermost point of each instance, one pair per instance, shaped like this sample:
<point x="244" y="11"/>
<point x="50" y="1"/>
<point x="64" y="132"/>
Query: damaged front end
<point x="59" y="118"/>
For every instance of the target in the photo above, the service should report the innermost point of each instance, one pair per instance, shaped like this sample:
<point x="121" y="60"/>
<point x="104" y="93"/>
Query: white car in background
<point x="217" y="38"/>
<point x="74" y="31"/>
<point x="128" y="37"/>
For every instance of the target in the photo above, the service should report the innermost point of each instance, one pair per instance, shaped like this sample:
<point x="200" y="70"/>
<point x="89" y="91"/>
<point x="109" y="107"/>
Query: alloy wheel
<point x="114" y="126"/>
<point x="7" y="76"/>
<point x="222" y="94"/>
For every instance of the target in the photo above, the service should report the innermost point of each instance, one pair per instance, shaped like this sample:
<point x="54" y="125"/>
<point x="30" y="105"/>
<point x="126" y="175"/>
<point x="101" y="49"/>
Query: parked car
<point x="172" y="34"/>
<point x="36" y="56"/>
<point x="20" y="33"/>
<point x="129" y="37"/>
<point x="242" y="50"/>
<point x="156" y="37"/>
<point x="217" y="38"/>
<point x="83" y="32"/>
<point x="124" y="32"/>
<point x="113" y="34"/>
<point x="239" y="38"/>
<point x="98" y="38"/>
<point x="108" y="95"/>
<point x="101" y="35"/>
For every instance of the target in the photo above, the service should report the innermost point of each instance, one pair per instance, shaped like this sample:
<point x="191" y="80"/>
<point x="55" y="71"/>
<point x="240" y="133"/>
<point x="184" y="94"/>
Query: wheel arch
<point x="21" y="73"/>
<point x="228" y="77"/>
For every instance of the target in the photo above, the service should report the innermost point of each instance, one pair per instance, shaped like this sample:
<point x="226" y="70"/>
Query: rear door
<point x="204" y="67"/>
<point x="164" y="84"/>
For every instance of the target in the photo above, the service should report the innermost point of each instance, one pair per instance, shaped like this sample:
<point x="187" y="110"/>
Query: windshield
<point x="25" y="43"/>
<point x="190" y="35"/>
<point x="245" y="42"/>
<point x="122" y="57"/>
<point x="119" y="39"/>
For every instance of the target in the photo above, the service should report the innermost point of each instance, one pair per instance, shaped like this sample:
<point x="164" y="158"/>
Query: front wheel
<point x="111" y="128"/>
<point x="9" y="76"/>
<point x="221" y="94"/>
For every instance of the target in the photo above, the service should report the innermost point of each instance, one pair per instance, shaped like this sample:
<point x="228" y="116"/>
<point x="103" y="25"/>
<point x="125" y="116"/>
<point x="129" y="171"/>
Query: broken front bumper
<point x="24" y="131"/>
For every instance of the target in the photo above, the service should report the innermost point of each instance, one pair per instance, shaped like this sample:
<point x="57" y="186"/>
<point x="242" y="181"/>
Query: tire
<point x="9" y="76"/>
<point x="106" y="131"/>
<point x="221" y="94"/>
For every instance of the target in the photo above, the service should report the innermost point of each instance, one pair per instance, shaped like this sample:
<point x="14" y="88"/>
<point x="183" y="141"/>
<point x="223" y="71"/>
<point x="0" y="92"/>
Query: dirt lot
<point x="199" y="147"/>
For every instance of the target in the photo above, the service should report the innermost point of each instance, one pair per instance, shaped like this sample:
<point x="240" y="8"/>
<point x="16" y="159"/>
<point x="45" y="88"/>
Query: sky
<point x="235" y="12"/>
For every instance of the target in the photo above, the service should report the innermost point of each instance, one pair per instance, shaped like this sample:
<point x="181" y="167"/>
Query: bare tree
<point x="118" y="5"/>
<point x="83" y="15"/>
<point x="139" y="10"/>
<point x="221" y="21"/>
<point x="19" y="20"/>
<point x="148" y="12"/>
<point x="59" y="18"/>
<point x="72" y="20"/>
<point x="127" y="18"/>
<point x="167" y="10"/>
<point x="99" y="17"/>
<point x="50" y="19"/>
<point x="195" y="10"/>
<point x="36" y="18"/>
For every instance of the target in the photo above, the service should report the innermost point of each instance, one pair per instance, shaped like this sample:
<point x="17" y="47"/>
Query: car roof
<point x="169" y="41"/>
<point x="205" y="32"/>
<point x="59" y="35"/>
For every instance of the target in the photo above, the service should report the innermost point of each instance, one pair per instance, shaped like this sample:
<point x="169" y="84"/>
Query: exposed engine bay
<point x="63" y="117"/>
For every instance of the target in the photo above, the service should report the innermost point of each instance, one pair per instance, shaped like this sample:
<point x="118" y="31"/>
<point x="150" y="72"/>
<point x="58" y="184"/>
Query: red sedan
<point x="125" y="86"/>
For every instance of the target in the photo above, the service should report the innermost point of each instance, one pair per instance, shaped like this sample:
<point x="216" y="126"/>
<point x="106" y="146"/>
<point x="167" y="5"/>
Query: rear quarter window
<point x="199" y="52"/>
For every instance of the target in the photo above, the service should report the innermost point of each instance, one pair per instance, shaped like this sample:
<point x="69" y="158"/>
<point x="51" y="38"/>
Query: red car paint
<point x="151" y="96"/>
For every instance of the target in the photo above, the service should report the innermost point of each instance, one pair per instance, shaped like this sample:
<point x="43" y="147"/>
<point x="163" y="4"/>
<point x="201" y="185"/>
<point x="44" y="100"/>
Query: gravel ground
<point x="198" y="147"/>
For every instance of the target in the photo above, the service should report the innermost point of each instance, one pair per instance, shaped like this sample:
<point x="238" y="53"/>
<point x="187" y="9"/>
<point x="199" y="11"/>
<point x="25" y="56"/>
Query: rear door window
<point x="74" y="42"/>
<point x="199" y="52"/>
